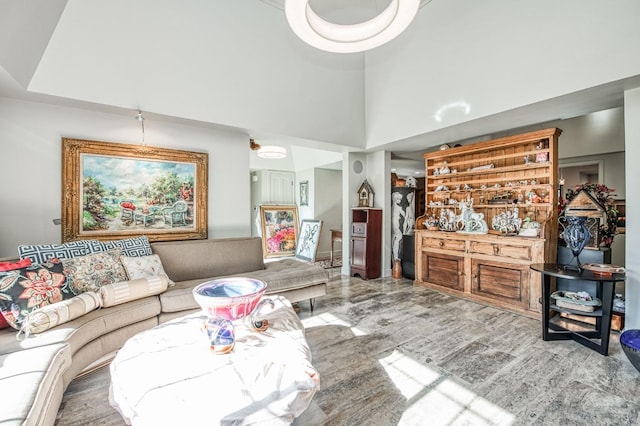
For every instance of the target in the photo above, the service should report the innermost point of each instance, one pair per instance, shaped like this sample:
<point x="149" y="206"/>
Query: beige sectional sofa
<point x="34" y="372"/>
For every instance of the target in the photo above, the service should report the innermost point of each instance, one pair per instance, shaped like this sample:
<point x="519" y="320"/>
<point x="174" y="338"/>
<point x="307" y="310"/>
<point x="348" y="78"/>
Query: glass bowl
<point x="229" y="298"/>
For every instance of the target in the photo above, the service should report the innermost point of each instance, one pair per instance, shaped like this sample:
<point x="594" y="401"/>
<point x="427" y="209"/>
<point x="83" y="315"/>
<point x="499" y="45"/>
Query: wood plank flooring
<point x="392" y="353"/>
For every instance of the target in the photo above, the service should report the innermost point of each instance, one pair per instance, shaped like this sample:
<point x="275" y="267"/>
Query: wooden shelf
<point x="486" y="267"/>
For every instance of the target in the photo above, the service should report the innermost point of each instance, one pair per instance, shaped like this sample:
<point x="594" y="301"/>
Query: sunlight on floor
<point x="439" y="398"/>
<point x="329" y="319"/>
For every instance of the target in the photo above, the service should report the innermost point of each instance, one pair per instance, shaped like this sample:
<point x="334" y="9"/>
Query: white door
<point x="281" y="187"/>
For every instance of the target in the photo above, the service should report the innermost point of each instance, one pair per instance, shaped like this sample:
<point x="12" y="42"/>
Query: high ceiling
<point x="138" y="47"/>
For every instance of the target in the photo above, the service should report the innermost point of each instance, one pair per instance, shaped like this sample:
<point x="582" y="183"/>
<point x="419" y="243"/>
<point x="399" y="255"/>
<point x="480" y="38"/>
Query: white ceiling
<point x="26" y="30"/>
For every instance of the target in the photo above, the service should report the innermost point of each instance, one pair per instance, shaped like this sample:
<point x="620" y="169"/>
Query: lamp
<point x="331" y="37"/>
<point x="272" y="152"/>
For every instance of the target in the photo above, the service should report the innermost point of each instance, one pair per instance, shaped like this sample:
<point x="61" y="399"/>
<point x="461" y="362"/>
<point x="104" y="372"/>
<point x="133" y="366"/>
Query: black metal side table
<point x="605" y="288"/>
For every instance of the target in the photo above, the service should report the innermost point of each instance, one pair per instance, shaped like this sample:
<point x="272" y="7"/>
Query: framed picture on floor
<point x="308" y="240"/>
<point x="115" y="190"/>
<point x="279" y="230"/>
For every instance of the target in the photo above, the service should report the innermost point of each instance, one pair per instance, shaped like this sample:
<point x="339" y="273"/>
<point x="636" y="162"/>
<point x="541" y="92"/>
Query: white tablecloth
<point x="168" y="375"/>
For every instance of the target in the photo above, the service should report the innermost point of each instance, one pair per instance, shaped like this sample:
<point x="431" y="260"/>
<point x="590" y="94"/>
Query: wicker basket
<point x="564" y="299"/>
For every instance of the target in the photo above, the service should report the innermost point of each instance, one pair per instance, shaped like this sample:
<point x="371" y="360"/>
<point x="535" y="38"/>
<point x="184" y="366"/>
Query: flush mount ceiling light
<point x="337" y="38"/>
<point x="272" y="151"/>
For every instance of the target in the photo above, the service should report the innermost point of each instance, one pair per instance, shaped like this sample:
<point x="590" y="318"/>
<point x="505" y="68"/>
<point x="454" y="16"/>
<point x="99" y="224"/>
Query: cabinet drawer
<point x="501" y="250"/>
<point x="443" y="243"/>
<point x="359" y="229"/>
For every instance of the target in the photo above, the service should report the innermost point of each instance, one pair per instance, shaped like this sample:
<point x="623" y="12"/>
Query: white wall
<point x="632" y="143"/>
<point x="231" y="62"/>
<point x="30" y="142"/>
<point x="613" y="170"/>
<point x="495" y="55"/>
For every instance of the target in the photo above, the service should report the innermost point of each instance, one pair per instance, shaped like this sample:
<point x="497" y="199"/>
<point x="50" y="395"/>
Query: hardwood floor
<point x="392" y="353"/>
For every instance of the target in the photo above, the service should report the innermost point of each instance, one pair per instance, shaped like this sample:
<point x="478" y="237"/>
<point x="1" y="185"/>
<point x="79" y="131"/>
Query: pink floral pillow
<point x="29" y="288"/>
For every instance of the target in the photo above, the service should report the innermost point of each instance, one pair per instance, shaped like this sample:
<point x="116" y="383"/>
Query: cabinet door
<point x="359" y="251"/>
<point x="501" y="281"/>
<point x="443" y="269"/>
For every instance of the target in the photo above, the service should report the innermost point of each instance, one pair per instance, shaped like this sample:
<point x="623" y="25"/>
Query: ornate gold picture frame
<point x="114" y="190"/>
<point x="279" y="230"/>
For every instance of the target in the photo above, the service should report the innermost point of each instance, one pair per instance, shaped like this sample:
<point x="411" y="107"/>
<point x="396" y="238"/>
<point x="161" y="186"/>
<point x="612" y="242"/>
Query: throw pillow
<point x="90" y="272"/>
<point x="41" y="253"/>
<point x="125" y="291"/>
<point x="136" y="246"/>
<point x="51" y="315"/>
<point x="32" y="287"/>
<point x="144" y="266"/>
<point x="3" y="322"/>
<point x="8" y="266"/>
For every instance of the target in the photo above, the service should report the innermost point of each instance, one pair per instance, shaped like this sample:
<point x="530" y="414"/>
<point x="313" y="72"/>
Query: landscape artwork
<point x="279" y="230"/>
<point x="154" y="192"/>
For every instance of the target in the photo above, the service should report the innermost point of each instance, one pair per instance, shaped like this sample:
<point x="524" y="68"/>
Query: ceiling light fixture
<point x="272" y="151"/>
<point x="337" y="38"/>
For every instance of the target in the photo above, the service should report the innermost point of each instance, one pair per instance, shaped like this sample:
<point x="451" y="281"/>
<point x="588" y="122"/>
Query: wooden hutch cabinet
<point x="366" y="242"/>
<point x="496" y="176"/>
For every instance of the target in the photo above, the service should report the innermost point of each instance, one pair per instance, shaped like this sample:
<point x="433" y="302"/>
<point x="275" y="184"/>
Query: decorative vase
<point x="576" y="235"/>
<point x="396" y="271"/>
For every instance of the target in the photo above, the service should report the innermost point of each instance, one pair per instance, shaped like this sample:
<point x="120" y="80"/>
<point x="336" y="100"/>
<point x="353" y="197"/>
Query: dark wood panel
<point x="366" y="243"/>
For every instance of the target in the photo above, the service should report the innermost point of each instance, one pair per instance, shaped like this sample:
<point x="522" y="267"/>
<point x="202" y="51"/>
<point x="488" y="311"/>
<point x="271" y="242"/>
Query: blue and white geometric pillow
<point x="132" y="247"/>
<point x="40" y="253"/>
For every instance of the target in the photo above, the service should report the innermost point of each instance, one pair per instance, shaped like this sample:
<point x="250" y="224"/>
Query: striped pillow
<point x="58" y="313"/>
<point x="126" y="291"/>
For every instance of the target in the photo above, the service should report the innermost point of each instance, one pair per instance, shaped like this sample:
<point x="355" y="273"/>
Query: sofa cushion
<point x="32" y="287"/>
<point x="126" y="291"/>
<point x="144" y="266"/>
<point x="135" y="246"/>
<point x="289" y="274"/>
<point x="78" y="332"/>
<point x="280" y="276"/>
<point x="190" y="260"/>
<point x="90" y="272"/>
<point x="58" y="313"/>
<point x="179" y="297"/>
<point x="30" y="379"/>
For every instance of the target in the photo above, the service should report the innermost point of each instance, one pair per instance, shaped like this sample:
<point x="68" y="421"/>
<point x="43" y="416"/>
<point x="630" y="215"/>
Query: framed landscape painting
<point x="308" y="241"/>
<point x="113" y="190"/>
<point x="279" y="230"/>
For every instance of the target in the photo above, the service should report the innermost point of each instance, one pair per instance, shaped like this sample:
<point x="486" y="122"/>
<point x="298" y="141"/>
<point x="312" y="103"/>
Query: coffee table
<point x="168" y="374"/>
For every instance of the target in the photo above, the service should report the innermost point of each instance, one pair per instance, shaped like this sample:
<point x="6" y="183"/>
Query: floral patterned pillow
<point x="29" y="288"/>
<point x="144" y="267"/>
<point x="90" y="272"/>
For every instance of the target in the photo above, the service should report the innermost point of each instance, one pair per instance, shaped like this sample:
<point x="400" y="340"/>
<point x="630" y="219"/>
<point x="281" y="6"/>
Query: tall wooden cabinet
<point x="497" y="176"/>
<point x="366" y="243"/>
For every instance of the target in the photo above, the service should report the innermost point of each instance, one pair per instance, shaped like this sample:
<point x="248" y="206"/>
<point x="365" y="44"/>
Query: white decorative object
<point x="470" y="221"/>
<point x="507" y="222"/>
